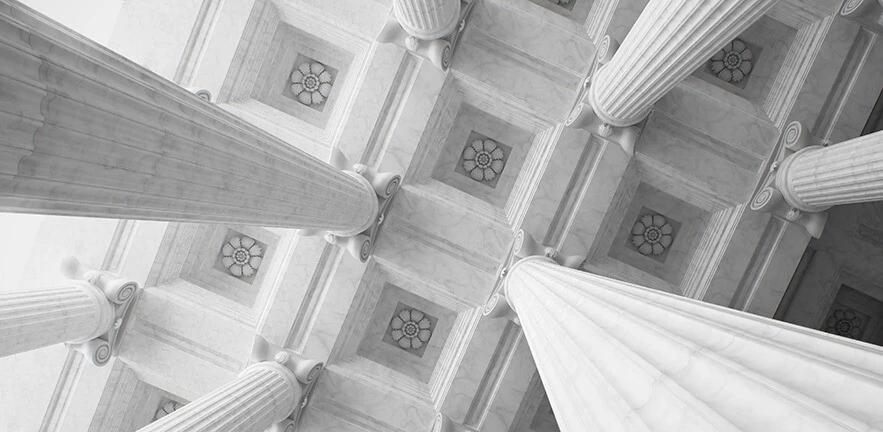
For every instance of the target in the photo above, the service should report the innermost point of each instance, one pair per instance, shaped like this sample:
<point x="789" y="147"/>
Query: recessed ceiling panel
<point x="406" y="333"/>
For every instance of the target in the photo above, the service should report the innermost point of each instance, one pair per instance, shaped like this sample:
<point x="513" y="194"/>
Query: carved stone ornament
<point x="311" y="83"/>
<point x="411" y="329"/>
<point x="652" y="234"/>
<point x="483" y="160"/>
<point x="733" y="62"/>
<point x="242" y="256"/>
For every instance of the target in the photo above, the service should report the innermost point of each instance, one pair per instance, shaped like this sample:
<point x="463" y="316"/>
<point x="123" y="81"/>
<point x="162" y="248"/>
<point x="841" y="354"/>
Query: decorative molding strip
<point x="794" y="284"/>
<point x="531" y="175"/>
<point x="393" y="106"/>
<point x="759" y="263"/>
<point x="493" y="376"/>
<point x="582" y="177"/>
<point x="869" y="235"/>
<point x="443" y="378"/>
<point x="795" y="69"/>
<point x="565" y="77"/>
<point x="471" y="257"/>
<point x="311" y="306"/>
<point x="740" y="157"/>
<point x="126" y="403"/>
<point x="531" y="401"/>
<point x="710" y="252"/>
<point x="252" y="47"/>
<point x="64" y="391"/>
<point x="194" y="50"/>
<point x="351" y="416"/>
<point x="846" y="79"/>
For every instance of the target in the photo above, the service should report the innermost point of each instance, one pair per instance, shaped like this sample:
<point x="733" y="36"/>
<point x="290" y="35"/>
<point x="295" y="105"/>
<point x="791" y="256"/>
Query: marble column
<point x="427" y="19"/>
<point x="263" y="395"/>
<point x="85" y="312"/>
<point x="614" y="356"/>
<point x="670" y="40"/>
<point x="815" y="178"/>
<point x="74" y="312"/>
<point x="89" y="133"/>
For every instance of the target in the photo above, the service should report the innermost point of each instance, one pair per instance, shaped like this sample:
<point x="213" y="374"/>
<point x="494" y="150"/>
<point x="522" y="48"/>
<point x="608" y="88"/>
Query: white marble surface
<point x="221" y="45"/>
<point x="178" y="346"/>
<point x="629" y="357"/>
<point x="30" y="378"/>
<point x="824" y="71"/>
<point x="368" y="407"/>
<point x="668" y="42"/>
<point x="862" y="97"/>
<point x="153" y="33"/>
<point x="555" y="194"/>
<point x="261" y="395"/>
<point x="512" y="390"/>
<point x="603" y="185"/>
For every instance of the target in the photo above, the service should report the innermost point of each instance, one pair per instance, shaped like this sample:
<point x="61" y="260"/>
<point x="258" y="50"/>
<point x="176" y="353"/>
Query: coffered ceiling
<point x="483" y="152"/>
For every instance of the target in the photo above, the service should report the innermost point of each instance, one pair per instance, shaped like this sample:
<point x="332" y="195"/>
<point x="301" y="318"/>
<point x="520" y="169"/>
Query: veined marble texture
<point x="862" y="97"/>
<point x="390" y="77"/>
<point x="523" y="65"/>
<point x="309" y="261"/>
<point x="350" y="400"/>
<point x="624" y="17"/>
<point x="748" y="131"/>
<point x="604" y="182"/>
<point x="721" y="167"/>
<point x="555" y="196"/>
<point x="769" y="42"/>
<point x="318" y="341"/>
<point x="170" y="347"/>
<point x="540" y="65"/>
<point x="220" y="45"/>
<point x="512" y="390"/>
<point x="154" y="33"/>
<point x="824" y="71"/>
<point x="469" y="376"/>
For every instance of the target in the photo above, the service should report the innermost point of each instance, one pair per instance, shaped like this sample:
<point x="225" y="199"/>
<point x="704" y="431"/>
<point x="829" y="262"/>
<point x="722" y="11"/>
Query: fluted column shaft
<point x="816" y="178"/>
<point x="74" y="312"/>
<point x="670" y="40"/>
<point x="263" y="394"/>
<point x="615" y="356"/>
<point x="88" y="133"/>
<point x="427" y="19"/>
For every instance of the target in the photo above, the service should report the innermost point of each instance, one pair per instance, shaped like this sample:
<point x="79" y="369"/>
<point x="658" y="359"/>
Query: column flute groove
<point x="264" y="394"/>
<point x="670" y="40"/>
<point x="92" y="134"/>
<point x="621" y="357"/>
<point x="816" y="178"/>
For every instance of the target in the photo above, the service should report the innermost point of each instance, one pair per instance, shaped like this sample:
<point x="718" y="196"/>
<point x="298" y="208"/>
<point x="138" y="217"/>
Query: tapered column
<point x="427" y="19"/>
<point x="615" y="356"/>
<point x="670" y="40"/>
<point x="89" y="133"/>
<point x="74" y="312"/>
<point x="264" y="394"/>
<point x="816" y="178"/>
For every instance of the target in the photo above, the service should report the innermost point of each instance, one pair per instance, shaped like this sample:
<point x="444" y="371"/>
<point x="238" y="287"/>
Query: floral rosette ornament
<point x="844" y="322"/>
<point x="733" y="62"/>
<point x="483" y="160"/>
<point x="411" y="329"/>
<point x="311" y="83"/>
<point x="242" y="256"/>
<point x="652" y="234"/>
